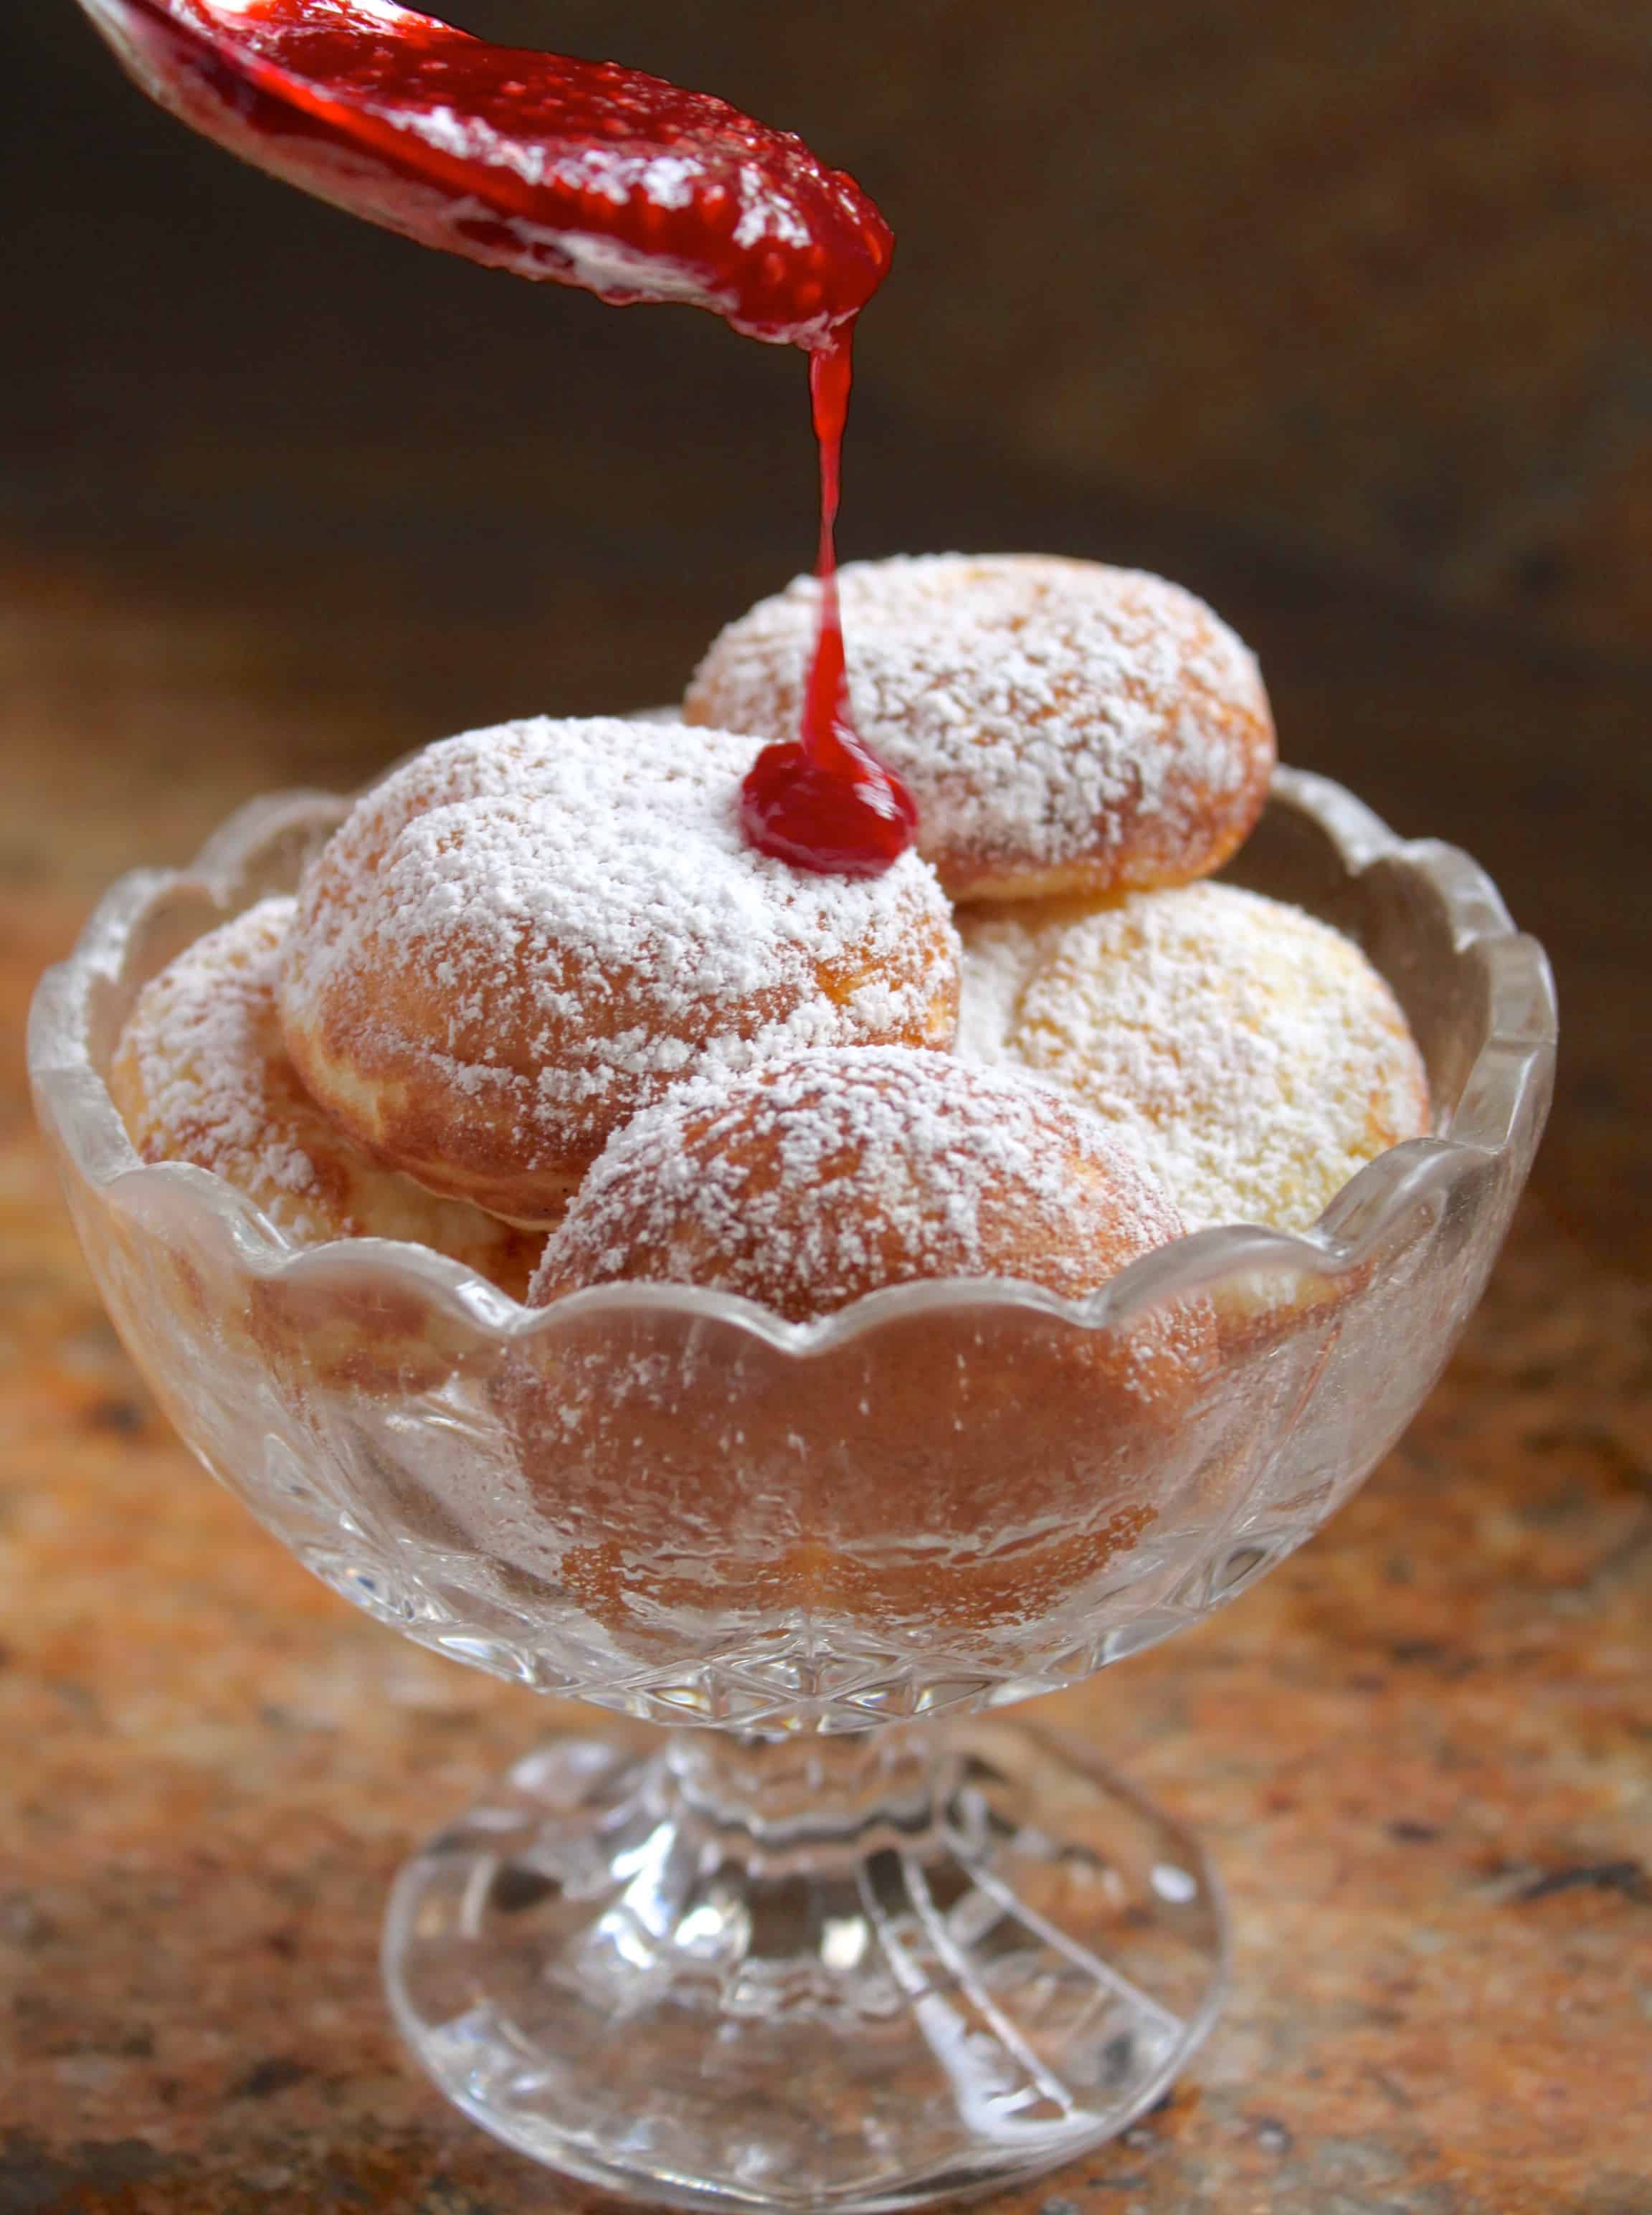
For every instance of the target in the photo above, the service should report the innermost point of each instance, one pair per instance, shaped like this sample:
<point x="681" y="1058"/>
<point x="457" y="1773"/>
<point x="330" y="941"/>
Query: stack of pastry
<point x="1087" y="745"/>
<point x="539" y="1006"/>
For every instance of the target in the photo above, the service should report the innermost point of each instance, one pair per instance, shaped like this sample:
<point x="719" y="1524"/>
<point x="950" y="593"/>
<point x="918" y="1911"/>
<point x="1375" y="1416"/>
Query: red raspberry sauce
<point x="823" y="801"/>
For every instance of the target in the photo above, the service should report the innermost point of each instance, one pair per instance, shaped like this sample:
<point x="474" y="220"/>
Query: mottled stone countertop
<point x="1421" y="1751"/>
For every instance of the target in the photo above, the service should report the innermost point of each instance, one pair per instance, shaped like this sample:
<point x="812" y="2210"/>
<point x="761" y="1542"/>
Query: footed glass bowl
<point x="843" y="1937"/>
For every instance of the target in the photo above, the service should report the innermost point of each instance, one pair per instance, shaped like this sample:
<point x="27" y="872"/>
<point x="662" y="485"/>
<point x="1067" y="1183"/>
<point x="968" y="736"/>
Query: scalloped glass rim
<point x="1516" y="1055"/>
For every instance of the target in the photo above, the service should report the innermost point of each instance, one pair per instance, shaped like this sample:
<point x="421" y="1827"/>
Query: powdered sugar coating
<point x="201" y="1075"/>
<point x="813" y="1181"/>
<point x="1065" y="727"/>
<point x="1248" y="1053"/>
<point x="524" y="936"/>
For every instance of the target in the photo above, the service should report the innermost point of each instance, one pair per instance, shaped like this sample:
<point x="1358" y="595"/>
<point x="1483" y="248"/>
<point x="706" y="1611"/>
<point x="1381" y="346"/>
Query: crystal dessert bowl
<point x="841" y="1936"/>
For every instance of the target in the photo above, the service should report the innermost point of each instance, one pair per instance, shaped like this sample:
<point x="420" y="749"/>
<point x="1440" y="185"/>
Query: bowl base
<point x="854" y="1975"/>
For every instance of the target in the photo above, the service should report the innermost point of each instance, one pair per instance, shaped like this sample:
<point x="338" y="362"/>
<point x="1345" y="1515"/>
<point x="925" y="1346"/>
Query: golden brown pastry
<point x="1064" y="727"/>
<point x="1250" y="1056"/>
<point x="201" y="1075"/>
<point x="961" y="1467"/>
<point x="525" y="935"/>
<point x="808" y="1183"/>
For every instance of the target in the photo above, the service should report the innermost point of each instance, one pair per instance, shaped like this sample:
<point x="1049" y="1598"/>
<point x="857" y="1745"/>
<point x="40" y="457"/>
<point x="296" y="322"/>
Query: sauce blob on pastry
<point x="1064" y="727"/>
<point x="522" y="937"/>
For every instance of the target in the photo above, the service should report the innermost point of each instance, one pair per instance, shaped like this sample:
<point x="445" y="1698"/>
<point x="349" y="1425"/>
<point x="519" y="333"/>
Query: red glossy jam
<point x="579" y="171"/>
<point x="823" y="801"/>
<point x="590" y="174"/>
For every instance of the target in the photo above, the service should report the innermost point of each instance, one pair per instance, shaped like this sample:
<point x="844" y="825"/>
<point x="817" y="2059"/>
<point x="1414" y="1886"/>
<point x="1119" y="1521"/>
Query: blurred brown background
<point x="1340" y="311"/>
<point x="1366" y="281"/>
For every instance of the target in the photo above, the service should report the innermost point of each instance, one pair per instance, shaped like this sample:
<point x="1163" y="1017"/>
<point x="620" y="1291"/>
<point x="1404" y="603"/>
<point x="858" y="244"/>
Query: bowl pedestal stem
<point x="860" y="1972"/>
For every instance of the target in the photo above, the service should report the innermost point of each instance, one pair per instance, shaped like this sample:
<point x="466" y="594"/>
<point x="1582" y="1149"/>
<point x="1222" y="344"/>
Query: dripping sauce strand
<point x="831" y="375"/>
<point x="822" y="801"/>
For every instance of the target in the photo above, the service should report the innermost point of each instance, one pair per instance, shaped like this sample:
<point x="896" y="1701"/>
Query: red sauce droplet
<point x="578" y="171"/>
<point x="590" y="174"/>
<point x="823" y="801"/>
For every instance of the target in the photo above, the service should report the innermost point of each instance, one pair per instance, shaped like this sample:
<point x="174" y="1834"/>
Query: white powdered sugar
<point x="201" y="1075"/>
<point x="558" y="917"/>
<point x="1249" y="1054"/>
<point x="194" y="1067"/>
<point x="1002" y="948"/>
<point x="810" y="1181"/>
<point x="1044" y="712"/>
